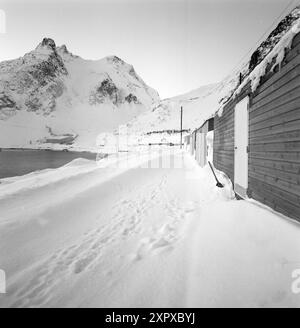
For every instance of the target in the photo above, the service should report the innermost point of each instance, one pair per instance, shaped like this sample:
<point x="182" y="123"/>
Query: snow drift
<point x="136" y="237"/>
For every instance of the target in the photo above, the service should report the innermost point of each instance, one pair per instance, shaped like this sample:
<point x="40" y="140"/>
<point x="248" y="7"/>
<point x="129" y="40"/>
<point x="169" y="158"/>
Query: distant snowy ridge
<point x="161" y="125"/>
<point x="52" y="98"/>
<point x="207" y="101"/>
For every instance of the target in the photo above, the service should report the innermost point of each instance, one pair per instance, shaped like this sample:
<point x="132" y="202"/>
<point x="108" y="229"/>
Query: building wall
<point x="274" y="137"/>
<point x="223" y="156"/>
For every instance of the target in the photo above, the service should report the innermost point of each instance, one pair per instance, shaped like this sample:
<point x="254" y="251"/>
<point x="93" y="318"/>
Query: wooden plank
<point x="277" y="94"/>
<point x="275" y="129"/>
<point x="258" y="185"/>
<point x="229" y="148"/>
<point x="284" y="79"/>
<point x="221" y="133"/>
<point x="224" y="135"/>
<point x="277" y="205"/>
<point x="280" y="119"/>
<point x="291" y="95"/>
<point x="277" y="68"/>
<point x="278" y="164"/>
<point x="275" y="77"/>
<point x="227" y="133"/>
<point x="292" y="53"/>
<point x="224" y="160"/>
<point x="266" y="113"/>
<point x="225" y="127"/>
<point x="225" y="147"/>
<point x="293" y="146"/>
<point x="226" y="114"/>
<point x="222" y="145"/>
<point x="293" y="178"/>
<point x="289" y="157"/>
<point x="228" y="107"/>
<point x="222" y="157"/>
<point x="225" y="119"/>
<point x="221" y="151"/>
<point x="273" y="197"/>
<point x="225" y="141"/>
<point x="279" y="137"/>
<point x="277" y="101"/>
<point x="227" y="111"/>
<point x="277" y="182"/>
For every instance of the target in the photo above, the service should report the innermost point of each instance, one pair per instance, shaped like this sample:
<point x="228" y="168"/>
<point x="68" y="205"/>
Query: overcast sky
<point x="174" y="45"/>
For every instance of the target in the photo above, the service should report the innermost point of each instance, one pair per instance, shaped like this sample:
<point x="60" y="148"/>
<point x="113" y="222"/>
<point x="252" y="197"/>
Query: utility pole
<point x="180" y="127"/>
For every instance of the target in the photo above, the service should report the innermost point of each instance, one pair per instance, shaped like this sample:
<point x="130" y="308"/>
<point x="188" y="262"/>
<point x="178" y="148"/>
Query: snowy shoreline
<point x="75" y="150"/>
<point x="123" y="234"/>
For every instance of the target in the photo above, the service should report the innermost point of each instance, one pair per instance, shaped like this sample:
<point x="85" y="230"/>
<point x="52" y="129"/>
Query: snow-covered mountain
<point x="52" y="98"/>
<point x="162" y="123"/>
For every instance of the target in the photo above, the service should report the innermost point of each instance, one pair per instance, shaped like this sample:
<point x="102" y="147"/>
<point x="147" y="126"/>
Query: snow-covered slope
<point x="162" y="123"/>
<point x="50" y="97"/>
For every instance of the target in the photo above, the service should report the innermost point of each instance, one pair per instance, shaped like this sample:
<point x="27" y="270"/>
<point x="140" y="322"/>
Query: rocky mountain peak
<point x="65" y="53"/>
<point x="49" y="84"/>
<point x="47" y="43"/>
<point x="63" y="49"/>
<point x="115" y="60"/>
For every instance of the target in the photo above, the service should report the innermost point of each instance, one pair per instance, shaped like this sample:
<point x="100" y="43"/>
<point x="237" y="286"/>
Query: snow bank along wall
<point x="273" y="136"/>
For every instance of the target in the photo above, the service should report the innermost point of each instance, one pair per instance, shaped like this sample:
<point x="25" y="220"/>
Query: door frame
<point x="241" y="188"/>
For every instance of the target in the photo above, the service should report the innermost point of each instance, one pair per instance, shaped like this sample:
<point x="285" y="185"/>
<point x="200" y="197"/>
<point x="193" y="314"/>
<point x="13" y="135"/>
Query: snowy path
<point x="90" y="236"/>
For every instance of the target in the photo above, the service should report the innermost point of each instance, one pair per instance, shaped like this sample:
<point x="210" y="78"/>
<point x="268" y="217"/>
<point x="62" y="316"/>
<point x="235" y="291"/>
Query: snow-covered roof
<point x="272" y="50"/>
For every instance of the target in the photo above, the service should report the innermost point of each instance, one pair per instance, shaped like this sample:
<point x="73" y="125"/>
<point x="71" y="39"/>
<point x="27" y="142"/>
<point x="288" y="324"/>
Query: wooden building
<point x="257" y="138"/>
<point x="198" y="142"/>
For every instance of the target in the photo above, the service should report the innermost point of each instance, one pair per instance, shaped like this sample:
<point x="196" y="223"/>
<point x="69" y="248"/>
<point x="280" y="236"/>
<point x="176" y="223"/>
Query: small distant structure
<point x="256" y="140"/>
<point x="198" y="143"/>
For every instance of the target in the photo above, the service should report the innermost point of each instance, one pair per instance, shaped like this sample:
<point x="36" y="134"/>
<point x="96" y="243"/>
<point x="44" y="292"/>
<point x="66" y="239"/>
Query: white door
<point x="241" y="147"/>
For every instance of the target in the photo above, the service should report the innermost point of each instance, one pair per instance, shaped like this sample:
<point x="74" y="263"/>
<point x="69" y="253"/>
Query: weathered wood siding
<point x="274" y="137"/>
<point x="223" y="154"/>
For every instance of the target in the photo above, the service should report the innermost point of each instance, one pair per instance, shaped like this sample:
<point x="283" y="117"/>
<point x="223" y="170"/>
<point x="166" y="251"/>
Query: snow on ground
<point x="152" y="230"/>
